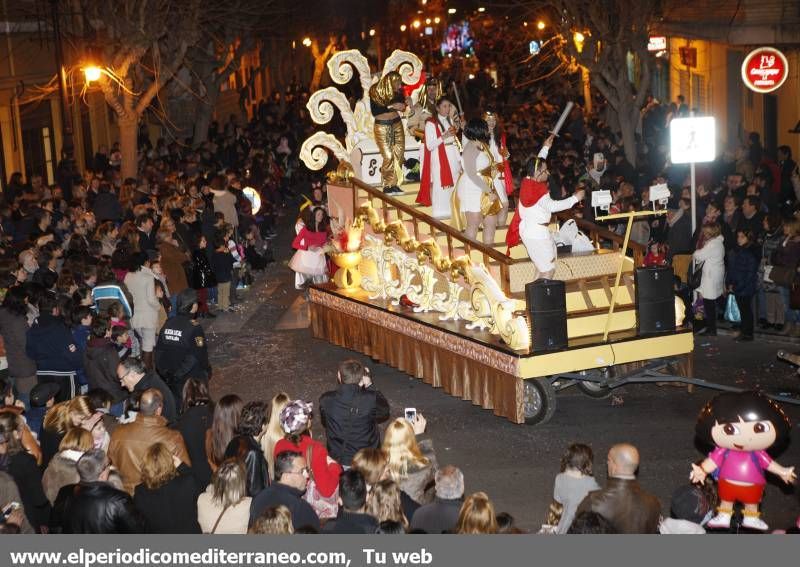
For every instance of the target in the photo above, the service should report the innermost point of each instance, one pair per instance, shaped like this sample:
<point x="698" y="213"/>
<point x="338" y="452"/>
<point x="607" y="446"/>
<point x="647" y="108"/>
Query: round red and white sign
<point x="765" y="69"/>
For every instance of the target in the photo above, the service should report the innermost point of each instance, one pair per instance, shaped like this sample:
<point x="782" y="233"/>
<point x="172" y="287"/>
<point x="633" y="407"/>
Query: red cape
<point x="529" y="194"/>
<point x="424" y="195"/>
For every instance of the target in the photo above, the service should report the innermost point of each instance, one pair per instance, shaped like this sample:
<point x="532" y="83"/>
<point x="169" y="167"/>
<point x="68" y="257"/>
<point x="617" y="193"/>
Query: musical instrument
<point x="456" y="139"/>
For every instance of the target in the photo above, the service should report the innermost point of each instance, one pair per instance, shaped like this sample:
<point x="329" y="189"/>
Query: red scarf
<point x="424" y="195"/>
<point x="508" y="178"/>
<point x="529" y="194"/>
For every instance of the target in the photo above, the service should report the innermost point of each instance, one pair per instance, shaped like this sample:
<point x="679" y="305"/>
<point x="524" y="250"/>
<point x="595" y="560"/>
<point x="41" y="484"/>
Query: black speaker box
<point x="547" y="307"/>
<point x="655" y="300"/>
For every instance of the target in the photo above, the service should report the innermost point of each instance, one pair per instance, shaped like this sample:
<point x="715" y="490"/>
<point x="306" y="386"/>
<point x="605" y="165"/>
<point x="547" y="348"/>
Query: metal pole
<point x="694" y="188"/>
<point x="67" y="145"/>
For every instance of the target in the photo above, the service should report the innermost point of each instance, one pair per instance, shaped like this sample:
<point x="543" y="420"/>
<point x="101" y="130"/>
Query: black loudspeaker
<point x="547" y="307"/>
<point x="655" y="300"/>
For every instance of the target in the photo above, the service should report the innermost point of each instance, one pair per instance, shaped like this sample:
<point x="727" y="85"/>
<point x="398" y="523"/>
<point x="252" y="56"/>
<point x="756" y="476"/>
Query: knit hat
<point x="296" y="416"/>
<point x="41" y="393"/>
<point x="690" y="503"/>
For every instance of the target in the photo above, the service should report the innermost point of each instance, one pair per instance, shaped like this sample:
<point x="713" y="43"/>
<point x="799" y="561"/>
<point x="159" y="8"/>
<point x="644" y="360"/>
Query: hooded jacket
<point x="100" y="363"/>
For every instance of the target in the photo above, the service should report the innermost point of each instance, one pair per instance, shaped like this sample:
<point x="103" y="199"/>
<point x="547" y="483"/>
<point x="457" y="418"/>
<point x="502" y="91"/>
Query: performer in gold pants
<point x="391" y="143"/>
<point x="387" y="102"/>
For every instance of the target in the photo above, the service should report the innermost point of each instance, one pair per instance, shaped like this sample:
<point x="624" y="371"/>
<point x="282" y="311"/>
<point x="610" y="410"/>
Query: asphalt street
<point x="265" y="347"/>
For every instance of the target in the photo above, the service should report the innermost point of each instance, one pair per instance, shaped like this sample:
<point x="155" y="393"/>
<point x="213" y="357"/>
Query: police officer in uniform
<point x="181" y="351"/>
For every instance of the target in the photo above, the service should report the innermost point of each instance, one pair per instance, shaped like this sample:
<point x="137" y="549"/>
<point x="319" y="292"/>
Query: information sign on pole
<point x="765" y="69"/>
<point x="693" y="140"/>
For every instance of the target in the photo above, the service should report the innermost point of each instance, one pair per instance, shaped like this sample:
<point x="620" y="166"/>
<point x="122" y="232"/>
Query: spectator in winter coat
<point x="146" y="305"/>
<point x="51" y="345"/>
<point x="351" y="413"/>
<point x="14" y="330"/>
<point x="106" y="205"/>
<point x="93" y="506"/>
<point x="225" y="203"/>
<point x="100" y="363"/>
<point x="712" y="284"/>
<point x="742" y="279"/>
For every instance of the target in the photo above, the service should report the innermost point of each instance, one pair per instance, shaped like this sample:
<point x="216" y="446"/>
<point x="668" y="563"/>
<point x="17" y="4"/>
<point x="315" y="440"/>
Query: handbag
<point x="695" y="275"/>
<point x="308" y="263"/>
<point x="794" y="295"/>
<point x="732" y="313"/>
<point x="782" y="275"/>
<point x="324" y="506"/>
<point x="490" y="207"/>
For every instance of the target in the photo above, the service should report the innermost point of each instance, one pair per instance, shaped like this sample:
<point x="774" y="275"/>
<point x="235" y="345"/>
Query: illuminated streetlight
<point x="540" y="25"/>
<point x="403" y="27"/>
<point x="525" y="24"/>
<point x="451" y="11"/>
<point x="437" y="19"/>
<point x="372" y="33"/>
<point x="92" y="73"/>
<point x="427" y="21"/>
<point x="578" y="38"/>
<point x="417" y="24"/>
<point x="307" y="41"/>
<point x="481" y="9"/>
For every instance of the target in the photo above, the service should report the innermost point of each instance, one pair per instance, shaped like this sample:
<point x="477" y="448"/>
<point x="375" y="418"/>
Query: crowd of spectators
<point x="107" y="424"/>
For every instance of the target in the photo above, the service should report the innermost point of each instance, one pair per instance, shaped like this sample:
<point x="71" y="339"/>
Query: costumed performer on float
<point x="741" y="426"/>
<point x="475" y="197"/>
<point x="534" y="209"/>
<point x="504" y="182"/>
<point x="441" y="164"/>
<point x="387" y="101"/>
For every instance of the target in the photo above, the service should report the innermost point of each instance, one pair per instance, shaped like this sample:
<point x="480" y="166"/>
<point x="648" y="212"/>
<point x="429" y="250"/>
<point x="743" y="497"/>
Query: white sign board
<point x="657" y="43"/>
<point x="371" y="161"/>
<point x="693" y="140"/>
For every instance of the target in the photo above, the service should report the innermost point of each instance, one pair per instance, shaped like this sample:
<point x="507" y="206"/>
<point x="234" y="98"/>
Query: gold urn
<point x="348" y="276"/>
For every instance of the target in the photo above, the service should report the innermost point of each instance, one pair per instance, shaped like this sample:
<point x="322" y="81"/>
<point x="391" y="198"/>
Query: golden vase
<point x="347" y="276"/>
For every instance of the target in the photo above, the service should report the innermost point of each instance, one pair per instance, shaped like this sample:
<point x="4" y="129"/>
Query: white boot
<point x="721" y="520"/>
<point x="753" y="522"/>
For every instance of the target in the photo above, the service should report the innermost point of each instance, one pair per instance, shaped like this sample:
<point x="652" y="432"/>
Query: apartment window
<point x="699" y="93"/>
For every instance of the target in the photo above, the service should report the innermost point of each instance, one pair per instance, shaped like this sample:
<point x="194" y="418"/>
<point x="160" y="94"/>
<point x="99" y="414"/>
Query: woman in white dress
<point x="441" y="161"/>
<point x="475" y="187"/>
<point x="500" y="154"/>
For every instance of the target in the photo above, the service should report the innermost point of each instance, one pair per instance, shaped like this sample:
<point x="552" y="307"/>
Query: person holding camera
<point x="351" y="413"/>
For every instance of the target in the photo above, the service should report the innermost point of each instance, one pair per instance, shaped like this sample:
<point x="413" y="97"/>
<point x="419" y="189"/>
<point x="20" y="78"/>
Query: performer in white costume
<point x="532" y="217"/>
<point x="503" y="184"/>
<point x="441" y="161"/>
<point x="476" y="197"/>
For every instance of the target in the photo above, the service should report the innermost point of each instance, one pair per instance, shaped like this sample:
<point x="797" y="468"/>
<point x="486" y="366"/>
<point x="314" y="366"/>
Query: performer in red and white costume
<point x="503" y="183"/>
<point x="532" y="217"/>
<point x="441" y="164"/>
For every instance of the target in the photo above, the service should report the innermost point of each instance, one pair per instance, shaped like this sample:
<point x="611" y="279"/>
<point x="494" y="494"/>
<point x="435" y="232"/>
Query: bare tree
<point x="229" y="29"/>
<point x="320" y="58"/>
<point x="599" y="35"/>
<point x="143" y="44"/>
<point x="611" y="30"/>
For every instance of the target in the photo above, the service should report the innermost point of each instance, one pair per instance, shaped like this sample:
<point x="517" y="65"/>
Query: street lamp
<point x="481" y="9"/>
<point x="92" y="73"/>
<point x="307" y="41"/>
<point x="372" y="32"/>
<point x="417" y="24"/>
<point x="427" y="21"/>
<point x="437" y="19"/>
<point x="579" y="38"/>
<point x="451" y="11"/>
<point x="540" y="25"/>
<point x="403" y="27"/>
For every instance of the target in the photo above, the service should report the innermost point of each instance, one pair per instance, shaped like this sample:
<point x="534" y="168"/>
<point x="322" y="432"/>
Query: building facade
<point x="707" y="41"/>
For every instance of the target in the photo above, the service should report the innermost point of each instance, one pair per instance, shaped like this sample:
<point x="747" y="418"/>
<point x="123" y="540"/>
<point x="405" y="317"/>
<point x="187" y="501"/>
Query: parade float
<point x="416" y="294"/>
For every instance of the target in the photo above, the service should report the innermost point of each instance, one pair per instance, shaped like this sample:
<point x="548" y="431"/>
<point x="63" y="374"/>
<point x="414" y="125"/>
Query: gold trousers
<point x="391" y="141"/>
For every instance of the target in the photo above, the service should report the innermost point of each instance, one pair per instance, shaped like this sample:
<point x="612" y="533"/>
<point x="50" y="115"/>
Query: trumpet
<point x="456" y="139"/>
